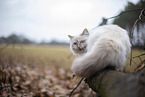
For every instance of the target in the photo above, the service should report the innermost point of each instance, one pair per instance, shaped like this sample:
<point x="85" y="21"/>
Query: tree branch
<point x="118" y="84"/>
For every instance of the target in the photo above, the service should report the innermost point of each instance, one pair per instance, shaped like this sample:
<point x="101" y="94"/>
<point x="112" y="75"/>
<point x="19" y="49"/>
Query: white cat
<point x="107" y="45"/>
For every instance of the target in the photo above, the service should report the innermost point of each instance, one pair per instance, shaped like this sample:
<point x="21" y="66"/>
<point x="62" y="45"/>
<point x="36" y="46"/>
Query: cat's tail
<point x="104" y="53"/>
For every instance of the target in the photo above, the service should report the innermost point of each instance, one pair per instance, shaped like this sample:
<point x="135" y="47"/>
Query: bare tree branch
<point x="111" y="83"/>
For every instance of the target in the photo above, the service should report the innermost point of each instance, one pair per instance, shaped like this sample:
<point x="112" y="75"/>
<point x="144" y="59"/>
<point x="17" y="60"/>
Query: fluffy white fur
<point x="106" y="45"/>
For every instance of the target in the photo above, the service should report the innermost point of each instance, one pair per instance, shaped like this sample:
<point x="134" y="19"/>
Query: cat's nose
<point x="79" y="48"/>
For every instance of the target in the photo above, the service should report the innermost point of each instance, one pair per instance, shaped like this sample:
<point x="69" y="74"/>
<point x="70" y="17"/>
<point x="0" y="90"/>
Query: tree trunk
<point x="111" y="83"/>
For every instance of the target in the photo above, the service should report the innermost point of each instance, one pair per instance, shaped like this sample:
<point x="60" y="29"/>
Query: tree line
<point x="15" y="39"/>
<point x="20" y="39"/>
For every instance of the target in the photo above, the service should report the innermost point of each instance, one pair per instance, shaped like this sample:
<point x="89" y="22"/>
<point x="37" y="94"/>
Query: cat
<point x="107" y="45"/>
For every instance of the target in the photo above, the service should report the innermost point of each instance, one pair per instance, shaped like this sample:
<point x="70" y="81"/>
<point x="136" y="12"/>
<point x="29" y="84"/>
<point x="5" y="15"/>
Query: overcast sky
<point x="54" y="19"/>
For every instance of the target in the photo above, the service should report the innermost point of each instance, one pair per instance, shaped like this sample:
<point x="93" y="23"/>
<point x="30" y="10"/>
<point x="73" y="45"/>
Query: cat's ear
<point x="85" y="32"/>
<point x="70" y="36"/>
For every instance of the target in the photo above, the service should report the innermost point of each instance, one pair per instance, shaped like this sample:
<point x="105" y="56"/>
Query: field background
<point x="44" y="71"/>
<point x="34" y="55"/>
<point x="50" y="56"/>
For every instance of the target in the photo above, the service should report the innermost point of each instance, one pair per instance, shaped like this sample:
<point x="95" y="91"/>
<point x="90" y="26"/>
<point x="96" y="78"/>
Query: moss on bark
<point x="111" y="83"/>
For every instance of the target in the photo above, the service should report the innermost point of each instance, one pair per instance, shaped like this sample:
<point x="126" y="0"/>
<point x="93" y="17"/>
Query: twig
<point x="138" y="56"/>
<point x="105" y="19"/>
<point x="134" y="62"/>
<point x="125" y="12"/>
<point x="131" y="35"/>
<point x="75" y="88"/>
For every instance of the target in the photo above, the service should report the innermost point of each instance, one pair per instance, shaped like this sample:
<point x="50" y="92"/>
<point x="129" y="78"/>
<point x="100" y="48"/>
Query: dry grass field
<point x="58" y="56"/>
<point x="38" y="55"/>
<point x="43" y="71"/>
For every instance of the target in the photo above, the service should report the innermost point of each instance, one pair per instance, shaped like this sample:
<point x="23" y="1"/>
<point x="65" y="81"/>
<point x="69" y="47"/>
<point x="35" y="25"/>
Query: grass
<point x="38" y="55"/>
<point x="49" y="56"/>
<point x="136" y="61"/>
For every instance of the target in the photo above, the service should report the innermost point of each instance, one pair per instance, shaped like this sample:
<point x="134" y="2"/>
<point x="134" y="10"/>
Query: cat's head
<point x="78" y="43"/>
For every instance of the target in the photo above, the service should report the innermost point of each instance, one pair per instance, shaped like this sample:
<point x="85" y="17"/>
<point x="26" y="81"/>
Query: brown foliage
<point x="21" y="80"/>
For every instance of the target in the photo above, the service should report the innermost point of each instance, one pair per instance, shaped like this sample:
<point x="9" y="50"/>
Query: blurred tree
<point x="3" y="40"/>
<point x="128" y="19"/>
<point x="57" y="42"/>
<point x="15" y="39"/>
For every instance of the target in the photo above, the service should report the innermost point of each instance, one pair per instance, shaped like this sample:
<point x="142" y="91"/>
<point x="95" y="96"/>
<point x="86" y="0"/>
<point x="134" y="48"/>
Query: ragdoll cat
<point x="107" y="45"/>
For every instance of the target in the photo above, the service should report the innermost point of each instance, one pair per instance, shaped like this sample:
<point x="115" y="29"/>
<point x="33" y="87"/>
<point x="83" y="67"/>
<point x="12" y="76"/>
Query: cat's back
<point x="107" y="32"/>
<point x="110" y="32"/>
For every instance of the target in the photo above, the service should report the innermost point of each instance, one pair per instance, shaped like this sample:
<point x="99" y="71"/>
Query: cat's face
<point x="78" y="43"/>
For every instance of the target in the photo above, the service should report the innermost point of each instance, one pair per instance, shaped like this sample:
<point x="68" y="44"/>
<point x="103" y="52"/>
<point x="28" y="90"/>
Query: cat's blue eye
<point x="75" y="43"/>
<point x="82" y="41"/>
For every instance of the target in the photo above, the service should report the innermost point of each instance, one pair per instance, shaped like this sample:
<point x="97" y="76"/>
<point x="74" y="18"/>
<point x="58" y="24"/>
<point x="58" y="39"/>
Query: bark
<point x="111" y="83"/>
